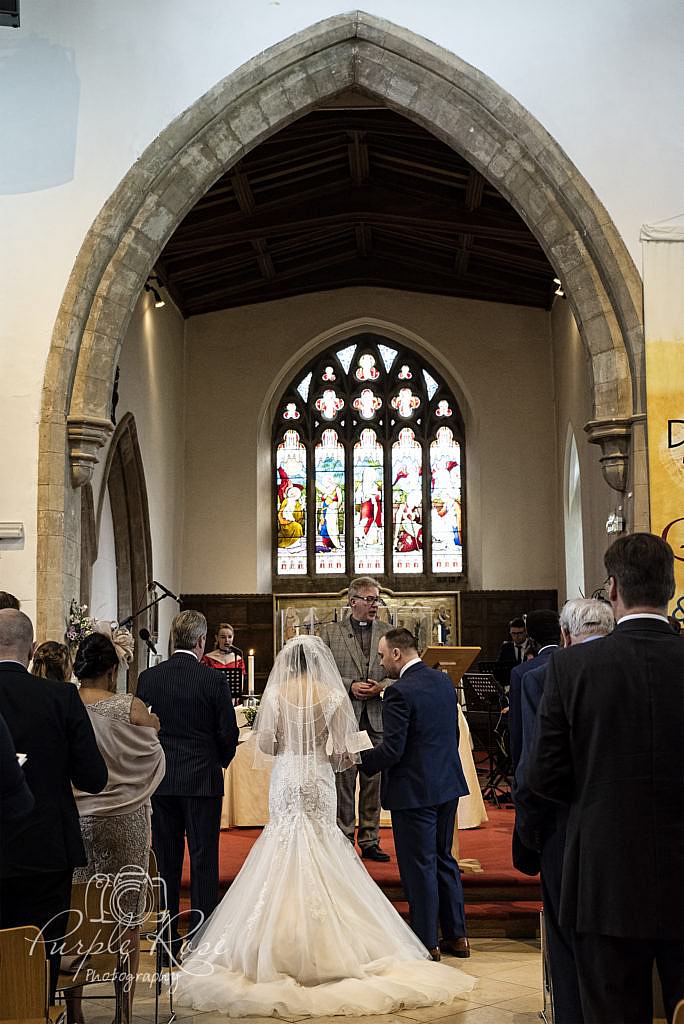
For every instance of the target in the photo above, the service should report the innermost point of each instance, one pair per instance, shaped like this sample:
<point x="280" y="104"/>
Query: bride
<point x="303" y="929"/>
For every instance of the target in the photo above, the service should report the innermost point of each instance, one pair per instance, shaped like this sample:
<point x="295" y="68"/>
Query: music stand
<point x="485" y="700"/>
<point x="235" y="680"/>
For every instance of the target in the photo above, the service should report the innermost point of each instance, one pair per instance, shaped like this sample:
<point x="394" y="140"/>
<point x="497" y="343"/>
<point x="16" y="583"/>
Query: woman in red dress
<point x="225" y="655"/>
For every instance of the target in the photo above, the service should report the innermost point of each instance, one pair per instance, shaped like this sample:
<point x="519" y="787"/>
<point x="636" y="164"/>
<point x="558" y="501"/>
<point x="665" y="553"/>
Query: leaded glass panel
<point x="445" y="498"/>
<point x="369" y="534"/>
<point x="407" y="503"/>
<point x="291" y="505"/>
<point x="329" y="468"/>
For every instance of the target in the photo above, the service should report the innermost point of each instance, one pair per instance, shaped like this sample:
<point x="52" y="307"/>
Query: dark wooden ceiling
<point x="352" y="197"/>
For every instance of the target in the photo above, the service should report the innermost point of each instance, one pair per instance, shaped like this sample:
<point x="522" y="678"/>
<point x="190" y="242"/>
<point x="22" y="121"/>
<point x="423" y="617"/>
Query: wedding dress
<point x="303" y="929"/>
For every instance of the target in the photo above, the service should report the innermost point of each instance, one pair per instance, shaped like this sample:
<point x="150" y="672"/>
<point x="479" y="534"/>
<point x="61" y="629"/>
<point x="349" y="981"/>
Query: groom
<point x="422" y="780"/>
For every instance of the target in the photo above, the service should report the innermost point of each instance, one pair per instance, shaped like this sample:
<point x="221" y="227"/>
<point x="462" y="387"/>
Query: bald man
<point x="39" y="851"/>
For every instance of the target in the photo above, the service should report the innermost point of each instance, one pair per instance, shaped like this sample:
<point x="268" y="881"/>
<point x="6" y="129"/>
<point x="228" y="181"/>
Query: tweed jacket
<point x="346" y="650"/>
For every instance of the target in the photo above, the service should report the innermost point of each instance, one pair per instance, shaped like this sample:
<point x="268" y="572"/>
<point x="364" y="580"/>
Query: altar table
<point x="245" y="800"/>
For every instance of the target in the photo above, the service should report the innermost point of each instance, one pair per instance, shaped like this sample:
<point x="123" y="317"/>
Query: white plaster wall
<point x="85" y="87"/>
<point x="103" y="598"/>
<point x="497" y="358"/>
<point x="152" y="388"/>
<point x="572" y="382"/>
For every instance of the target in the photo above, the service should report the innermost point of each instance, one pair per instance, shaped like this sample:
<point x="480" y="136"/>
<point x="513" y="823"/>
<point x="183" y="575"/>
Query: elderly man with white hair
<point x="542" y="825"/>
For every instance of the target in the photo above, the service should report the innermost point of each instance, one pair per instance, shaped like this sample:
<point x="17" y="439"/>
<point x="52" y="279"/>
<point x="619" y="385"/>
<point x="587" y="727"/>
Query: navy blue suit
<point x="422" y="780"/>
<point x="524" y="858"/>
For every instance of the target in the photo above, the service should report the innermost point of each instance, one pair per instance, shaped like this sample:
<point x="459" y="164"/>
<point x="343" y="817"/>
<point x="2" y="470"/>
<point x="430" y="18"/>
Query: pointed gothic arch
<point x="425" y="83"/>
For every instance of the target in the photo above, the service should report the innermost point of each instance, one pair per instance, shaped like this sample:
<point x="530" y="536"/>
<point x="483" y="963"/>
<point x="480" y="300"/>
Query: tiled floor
<point x="509" y="991"/>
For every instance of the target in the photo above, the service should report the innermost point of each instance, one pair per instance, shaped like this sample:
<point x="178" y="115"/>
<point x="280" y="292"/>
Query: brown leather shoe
<point x="456" y="947"/>
<point x="435" y="953"/>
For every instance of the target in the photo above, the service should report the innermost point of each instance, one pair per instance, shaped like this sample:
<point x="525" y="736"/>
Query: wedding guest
<point x="224" y="654"/>
<point x="199" y="735"/>
<point x="115" y="824"/>
<point x="9" y="600"/>
<point x="16" y="799"/>
<point x="608" y="747"/>
<point x="51" y="660"/>
<point x="49" y="724"/>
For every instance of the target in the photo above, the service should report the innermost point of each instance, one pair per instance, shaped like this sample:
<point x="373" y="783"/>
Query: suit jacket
<point x="609" y="744"/>
<point x="199" y="733"/>
<point x="418" y="756"/>
<point x="346" y="650"/>
<point x="507" y="653"/>
<point x="535" y="818"/>
<point x="16" y="799"/>
<point x="48" y="723"/>
<point x="514" y="715"/>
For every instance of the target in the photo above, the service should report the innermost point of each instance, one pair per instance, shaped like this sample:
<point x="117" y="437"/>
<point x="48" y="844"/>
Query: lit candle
<point x="250" y="674"/>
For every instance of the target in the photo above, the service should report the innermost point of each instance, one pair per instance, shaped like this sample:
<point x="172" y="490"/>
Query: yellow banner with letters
<point x="664" y="325"/>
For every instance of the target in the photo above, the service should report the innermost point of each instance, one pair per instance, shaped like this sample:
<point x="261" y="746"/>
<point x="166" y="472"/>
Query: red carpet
<point x="499" y="900"/>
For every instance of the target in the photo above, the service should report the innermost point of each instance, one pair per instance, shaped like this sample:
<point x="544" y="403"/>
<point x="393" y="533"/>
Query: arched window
<point x="368" y="452"/>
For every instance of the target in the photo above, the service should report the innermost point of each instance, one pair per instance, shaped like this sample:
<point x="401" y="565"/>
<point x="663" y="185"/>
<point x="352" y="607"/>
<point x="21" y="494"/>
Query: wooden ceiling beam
<point x="357" y="151"/>
<point x="474" y="190"/>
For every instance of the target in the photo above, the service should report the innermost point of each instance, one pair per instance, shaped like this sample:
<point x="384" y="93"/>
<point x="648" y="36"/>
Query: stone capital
<point x="86" y="436"/>
<point x="614" y="435"/>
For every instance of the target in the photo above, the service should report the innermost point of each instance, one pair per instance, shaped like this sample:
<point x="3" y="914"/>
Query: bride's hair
<point x="305" y="710"/>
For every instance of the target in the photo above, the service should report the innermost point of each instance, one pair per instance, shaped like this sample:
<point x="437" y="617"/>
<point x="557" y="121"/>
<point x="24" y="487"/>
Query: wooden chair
<point x="24" y="979"/>
<point x="94" y="931"/>
<point x="156" y="931"/>
<point x="678" y="1017"/>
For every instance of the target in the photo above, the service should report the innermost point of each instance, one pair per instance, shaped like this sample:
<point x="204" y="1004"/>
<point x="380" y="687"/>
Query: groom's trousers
<point x="423" y="837"/>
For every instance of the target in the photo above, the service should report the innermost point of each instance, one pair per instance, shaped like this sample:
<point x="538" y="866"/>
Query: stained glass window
<point x="368" y="447"/>
<point x="330" y="539"/>
<point x="445" y="498"/>
<point x="369" y="518"/>
<point x="291" y="505"/>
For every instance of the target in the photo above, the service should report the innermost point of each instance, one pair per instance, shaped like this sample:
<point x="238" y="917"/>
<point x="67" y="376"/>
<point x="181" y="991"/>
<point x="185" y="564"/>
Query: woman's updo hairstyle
<point x="95" y="656"/>
<point x="52" y="661"/>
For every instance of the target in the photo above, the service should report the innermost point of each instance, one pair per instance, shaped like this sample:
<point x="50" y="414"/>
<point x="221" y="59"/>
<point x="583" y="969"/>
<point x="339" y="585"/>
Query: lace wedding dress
<point x="303" y="929"/>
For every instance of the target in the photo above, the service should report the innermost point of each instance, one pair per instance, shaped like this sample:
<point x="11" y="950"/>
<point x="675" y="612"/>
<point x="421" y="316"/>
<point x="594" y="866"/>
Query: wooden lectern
<point x="452" y="660"/>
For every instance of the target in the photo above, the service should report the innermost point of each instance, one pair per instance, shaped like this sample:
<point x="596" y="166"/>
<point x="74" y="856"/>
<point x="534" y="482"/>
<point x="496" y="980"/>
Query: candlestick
<point x="250" y="673"/>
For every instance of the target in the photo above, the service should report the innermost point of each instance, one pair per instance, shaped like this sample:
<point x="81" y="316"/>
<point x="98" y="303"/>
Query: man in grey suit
<point x="354" y="646"/>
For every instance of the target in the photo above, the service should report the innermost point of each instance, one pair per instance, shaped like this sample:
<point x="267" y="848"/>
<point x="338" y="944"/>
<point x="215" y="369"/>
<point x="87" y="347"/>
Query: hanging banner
<point x="663" y="266"/>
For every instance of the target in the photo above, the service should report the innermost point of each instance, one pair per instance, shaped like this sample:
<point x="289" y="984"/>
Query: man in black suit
<point x="541" y="825"/>
<point x="422" y="780"/>
<point x="609" y="745"/>
<point x="199" y="736"/>
<point x="514" y="651"/>
<point x="38" y="851"/>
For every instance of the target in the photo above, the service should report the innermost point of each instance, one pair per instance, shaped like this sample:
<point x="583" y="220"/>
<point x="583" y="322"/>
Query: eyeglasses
<point x="368" y="600"/>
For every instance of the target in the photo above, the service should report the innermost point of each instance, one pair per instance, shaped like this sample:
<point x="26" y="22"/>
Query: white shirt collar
<point x="11" y="661"/>
<point x="546" y="647"/>
<point x="413" y="661"/>
<point x="644" y="615"/>
<point x="182" y="650"/>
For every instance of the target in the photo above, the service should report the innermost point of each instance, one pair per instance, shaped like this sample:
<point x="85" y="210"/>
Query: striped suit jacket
<point x="346" y="650"/>
<point x="198" y="732"/>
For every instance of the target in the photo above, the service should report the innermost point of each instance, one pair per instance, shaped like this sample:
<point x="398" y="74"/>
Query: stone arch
<point x="425" y="83"/>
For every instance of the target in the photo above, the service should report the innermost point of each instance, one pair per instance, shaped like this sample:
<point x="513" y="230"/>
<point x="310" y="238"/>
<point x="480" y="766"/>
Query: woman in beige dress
<point x="115" y="824"/>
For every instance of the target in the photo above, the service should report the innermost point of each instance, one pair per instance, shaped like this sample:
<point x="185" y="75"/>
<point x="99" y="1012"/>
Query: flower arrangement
<point x="250" y="714"/>
<point x="79" y="625"/>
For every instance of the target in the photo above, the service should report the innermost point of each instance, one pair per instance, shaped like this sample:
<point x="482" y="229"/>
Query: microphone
<point x="144" y="634"/>
<point x="165" y="590"/>
<point x="234" y="649"/>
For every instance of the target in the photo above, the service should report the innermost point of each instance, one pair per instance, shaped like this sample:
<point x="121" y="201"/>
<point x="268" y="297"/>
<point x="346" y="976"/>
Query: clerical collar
<point x="358" y="624"/>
